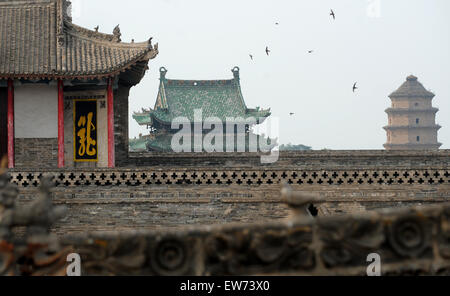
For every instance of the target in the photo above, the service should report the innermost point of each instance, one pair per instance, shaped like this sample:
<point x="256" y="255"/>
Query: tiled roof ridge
<point x="186" y="82"/>
<point x="79" y="31"/>
<point x="24" y="3"/>
<point x="190" y="82"/>
<point x="104" y="38"/>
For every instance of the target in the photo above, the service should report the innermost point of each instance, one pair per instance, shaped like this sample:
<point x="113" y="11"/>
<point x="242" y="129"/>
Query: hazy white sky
<point x="205" y="39"/>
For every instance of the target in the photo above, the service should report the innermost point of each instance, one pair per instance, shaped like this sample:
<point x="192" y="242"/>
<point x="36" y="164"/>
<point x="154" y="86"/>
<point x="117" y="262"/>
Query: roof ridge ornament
<point x="63" y="7"/>
<point x="150" y="46"/>
<point x="67" y="10"/>
<point x="117" y="34"/>
<point x="162" y="72"/>
<point x="235" y="71"/>
<point x="411" y="78"/>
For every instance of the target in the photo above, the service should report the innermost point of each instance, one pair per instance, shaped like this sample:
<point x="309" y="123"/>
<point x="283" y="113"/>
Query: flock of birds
<point x="268" y="51"/>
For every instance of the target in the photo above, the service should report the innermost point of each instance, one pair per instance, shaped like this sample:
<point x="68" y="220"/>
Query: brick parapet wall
<point x="108" y="208"/>
<point x="356" y="159"/>
<point x="173" y="196"/>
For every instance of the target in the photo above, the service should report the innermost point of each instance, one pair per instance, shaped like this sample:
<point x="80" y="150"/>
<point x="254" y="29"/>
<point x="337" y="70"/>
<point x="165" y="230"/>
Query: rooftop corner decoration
<point x="219" y="99"/>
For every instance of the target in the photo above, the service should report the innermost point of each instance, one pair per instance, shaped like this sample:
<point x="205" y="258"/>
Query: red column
<point x="10" y="124"/>
<point x="60" y="124"/>
<point x="111" y="142"/>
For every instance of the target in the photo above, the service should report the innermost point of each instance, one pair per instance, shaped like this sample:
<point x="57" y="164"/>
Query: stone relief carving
<point x="410" y="236"/>
<point x="444" y="231"/>
<point x="37" y="251"/>
<point x="323" y="246"/>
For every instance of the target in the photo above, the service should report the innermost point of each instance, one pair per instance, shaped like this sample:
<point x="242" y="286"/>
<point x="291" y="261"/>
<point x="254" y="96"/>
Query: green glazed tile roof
<point x="138" y="144"/>
<point x="143" y="118"/>
<point x="216" y="98"/>
<point x="161" y="143"/>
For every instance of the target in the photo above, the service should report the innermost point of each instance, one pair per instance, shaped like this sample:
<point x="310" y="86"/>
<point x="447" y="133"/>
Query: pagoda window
<point x="417" y="121"/>
<point x="416" y="104"/>
<point x="418" y="139"/>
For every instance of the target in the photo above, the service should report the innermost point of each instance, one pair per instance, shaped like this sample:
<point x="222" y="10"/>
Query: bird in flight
<point x="267" y="50"/>
<point x="277" y="23"/>
<point x="310" y="51"/>
<point x="355" y="87"/>
<point x="251" y="56"/>
<point x="291" y="114"/>
<point x="332" y="14"/>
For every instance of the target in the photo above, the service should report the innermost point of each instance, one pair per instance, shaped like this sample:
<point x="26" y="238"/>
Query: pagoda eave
<point x="407" y="110"/>
<point x="433" y="127"/>
<point x="409" y="146"/>
<point x="408" y="96"/>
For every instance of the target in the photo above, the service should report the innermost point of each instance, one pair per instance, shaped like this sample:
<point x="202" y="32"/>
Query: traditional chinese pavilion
<point x="63" y="88"/>
<point x="216" y="99"/>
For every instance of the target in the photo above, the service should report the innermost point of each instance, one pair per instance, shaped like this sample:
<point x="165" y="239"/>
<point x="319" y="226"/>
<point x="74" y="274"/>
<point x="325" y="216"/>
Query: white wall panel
<point x="36" y="111"/>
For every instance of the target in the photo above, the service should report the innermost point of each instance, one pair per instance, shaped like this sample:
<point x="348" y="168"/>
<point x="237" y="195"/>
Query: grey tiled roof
<point x="412" y="88"/>
<point x="38" y="40"/>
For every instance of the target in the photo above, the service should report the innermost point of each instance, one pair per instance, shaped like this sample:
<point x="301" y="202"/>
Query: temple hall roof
<point x="216" y="98"/>
<point x="39" y="41"/>
<point x="412" y="88"/>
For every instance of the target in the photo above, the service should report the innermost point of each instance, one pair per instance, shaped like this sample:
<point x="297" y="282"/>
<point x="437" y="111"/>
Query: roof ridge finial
<point x="411" y="78"/>
<point x="235" y="71"/>
<point x="64" y="11"/>
<point x="150" y="46"/>
<point x="67" y="10"/>
<point x="117" y="34"/>
<point x="162" y="72"/>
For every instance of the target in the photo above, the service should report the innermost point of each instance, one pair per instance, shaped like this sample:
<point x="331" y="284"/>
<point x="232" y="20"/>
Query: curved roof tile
<point x="38" y="40"/>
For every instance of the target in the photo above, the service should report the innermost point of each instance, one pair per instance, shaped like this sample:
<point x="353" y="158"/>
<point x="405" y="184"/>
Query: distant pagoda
<point x="412" y="118"/>
<point x="220" y="99"/>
